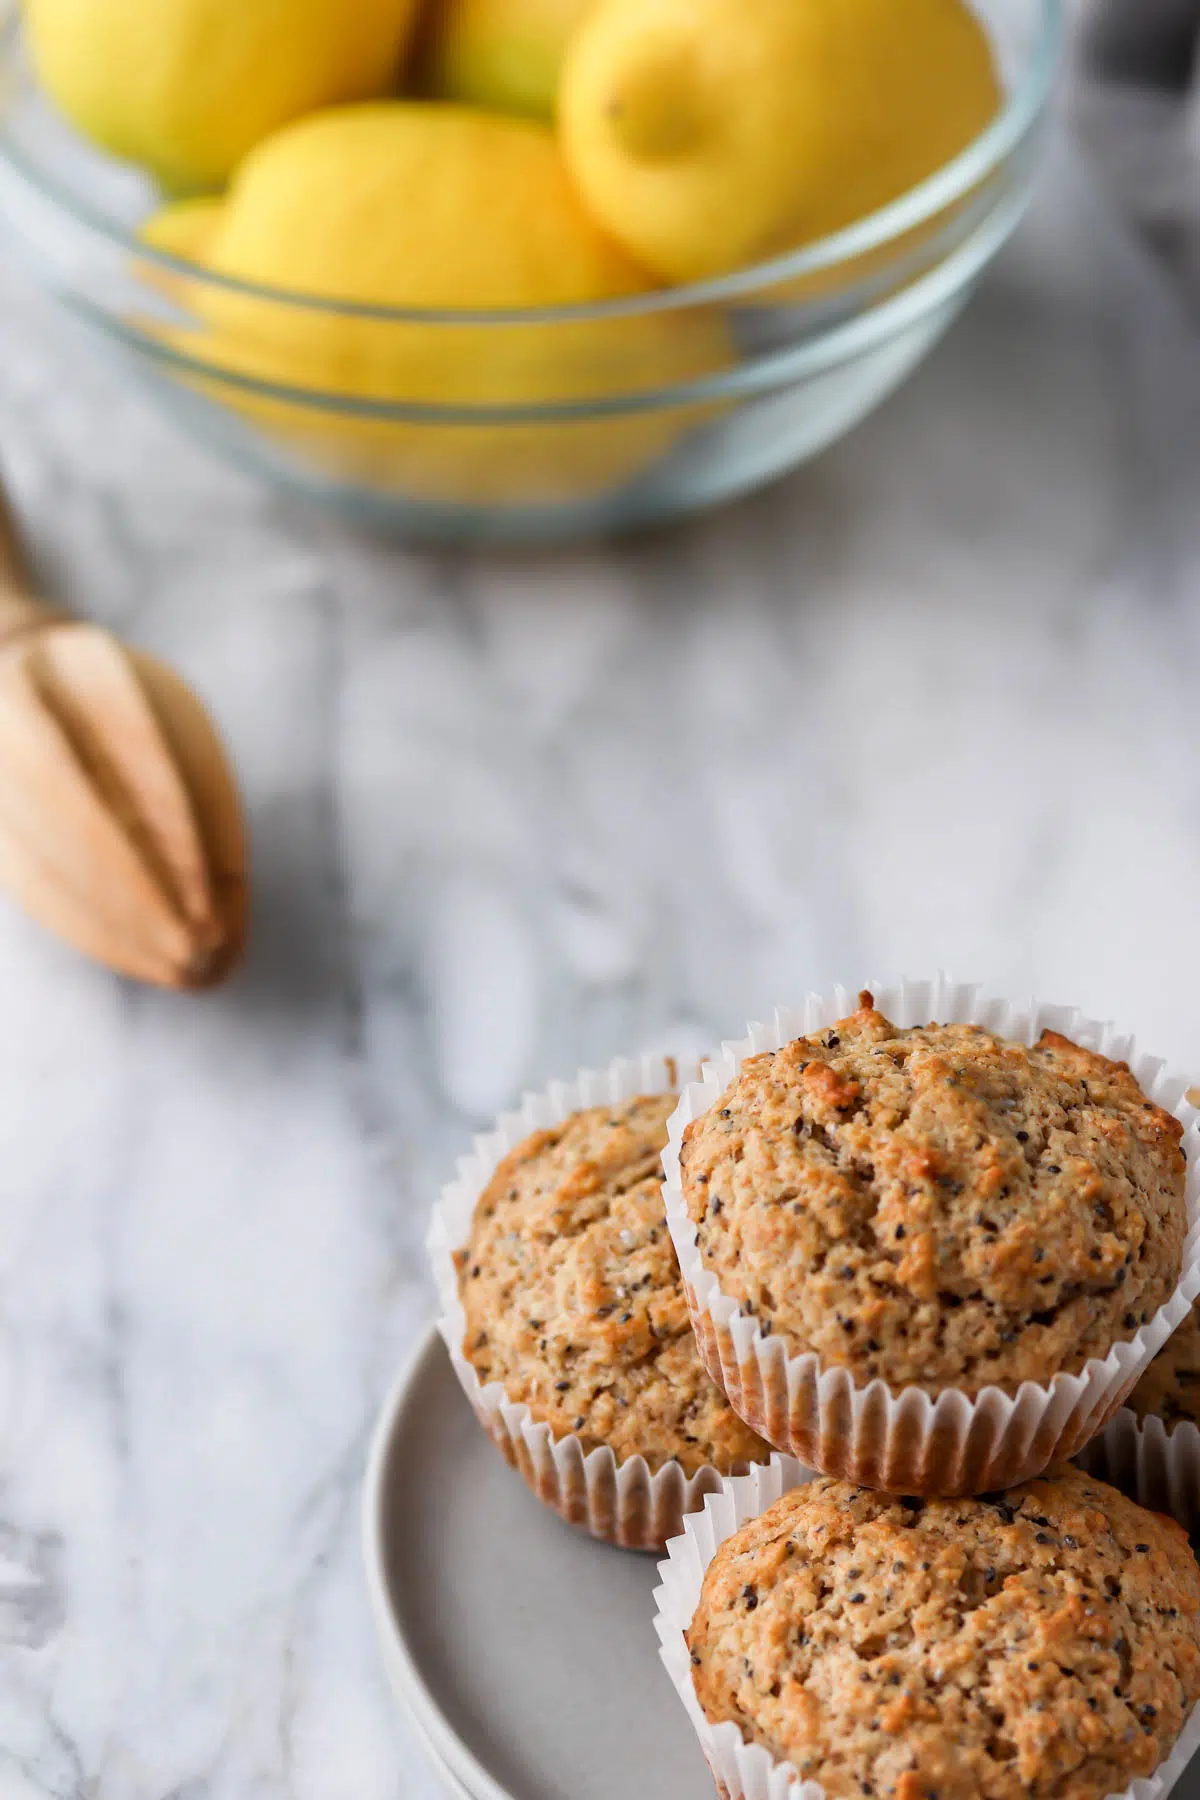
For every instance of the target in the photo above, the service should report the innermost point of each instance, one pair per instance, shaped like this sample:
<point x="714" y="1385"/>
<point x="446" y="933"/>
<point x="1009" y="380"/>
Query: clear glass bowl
<point x="646" y="408"/>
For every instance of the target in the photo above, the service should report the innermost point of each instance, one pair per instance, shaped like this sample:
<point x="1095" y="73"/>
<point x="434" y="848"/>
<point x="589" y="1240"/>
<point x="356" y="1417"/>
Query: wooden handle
<point x="20" y="611"/>
<point x="12" y="563"/>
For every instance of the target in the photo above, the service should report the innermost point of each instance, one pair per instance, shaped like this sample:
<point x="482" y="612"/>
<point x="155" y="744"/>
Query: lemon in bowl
<point x="710" y="134"/>
<point x="186" y="88"/>
<point x="505" y="55"/>
<point x="360" y="213"/>
<point x="451" y="340"/>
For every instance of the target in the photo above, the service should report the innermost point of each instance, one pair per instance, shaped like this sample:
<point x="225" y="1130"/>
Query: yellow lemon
<point x="186" y="229"/>
<point x="706" y="134"/>
<point x="415" y="205"/>
<point x="502" y="54"/>
<point x="187" y="87"/>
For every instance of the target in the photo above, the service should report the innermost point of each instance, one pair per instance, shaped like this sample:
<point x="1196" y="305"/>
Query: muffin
<point x="1037" y="1644"/>
<point x="1170" y="1388"/>
<point x="938" y="1208"/>
<point x="572" y="1302"/>
<point x="1151" y="1448"/>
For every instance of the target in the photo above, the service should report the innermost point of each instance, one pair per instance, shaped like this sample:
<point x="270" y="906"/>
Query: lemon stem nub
<point x="660" y="110"/>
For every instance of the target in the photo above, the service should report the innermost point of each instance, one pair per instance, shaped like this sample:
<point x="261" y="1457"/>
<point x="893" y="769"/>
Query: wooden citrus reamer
<point x="120" y="823"/>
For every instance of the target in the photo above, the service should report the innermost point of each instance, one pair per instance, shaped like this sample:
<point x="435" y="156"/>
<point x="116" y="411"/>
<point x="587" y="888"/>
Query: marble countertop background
<point x="930" y="701"/>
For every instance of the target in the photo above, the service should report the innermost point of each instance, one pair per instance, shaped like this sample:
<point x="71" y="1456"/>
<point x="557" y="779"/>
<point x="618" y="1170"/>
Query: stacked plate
<point x="523" y="1650"/>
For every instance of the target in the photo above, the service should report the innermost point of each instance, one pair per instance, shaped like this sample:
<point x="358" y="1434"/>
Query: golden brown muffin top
<point x="939" y="1206"/>
<point x="573" y="1297"/>
<point x="1042" y="1644"/>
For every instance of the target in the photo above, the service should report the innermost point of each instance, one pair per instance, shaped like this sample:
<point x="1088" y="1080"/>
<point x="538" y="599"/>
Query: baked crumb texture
<point x="1039" y="1644"/>
<point x="939" y="1207"/>
<point x="573" y="1300"/>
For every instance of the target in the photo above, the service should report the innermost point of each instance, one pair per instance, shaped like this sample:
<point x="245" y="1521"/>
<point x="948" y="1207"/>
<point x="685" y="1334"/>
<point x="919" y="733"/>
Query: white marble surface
<point x="931" y="701"/>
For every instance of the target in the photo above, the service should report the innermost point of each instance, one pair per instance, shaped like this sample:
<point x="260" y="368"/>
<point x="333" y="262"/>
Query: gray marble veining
<point x="930" y="701"/>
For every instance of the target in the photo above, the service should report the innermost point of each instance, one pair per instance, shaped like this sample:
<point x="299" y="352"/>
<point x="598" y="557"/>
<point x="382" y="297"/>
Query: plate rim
<point x="450" y="1755"/>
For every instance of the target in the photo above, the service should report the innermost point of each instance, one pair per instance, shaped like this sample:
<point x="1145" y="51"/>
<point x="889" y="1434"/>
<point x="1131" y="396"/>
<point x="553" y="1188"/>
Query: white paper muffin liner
<point x="745" y="1771"/>
<point x="622" y="1502"/>
<point x="1154" y="1463"/>
<point x="904" y="1440"/>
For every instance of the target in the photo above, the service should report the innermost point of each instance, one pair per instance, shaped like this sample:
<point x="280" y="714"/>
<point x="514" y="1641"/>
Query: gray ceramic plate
<point x="524" y="1652"/>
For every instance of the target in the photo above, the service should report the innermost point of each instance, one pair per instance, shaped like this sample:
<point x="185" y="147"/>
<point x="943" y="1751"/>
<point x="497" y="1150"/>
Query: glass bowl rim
<point x="839" y="342"/>
<point x="891" y="222"/>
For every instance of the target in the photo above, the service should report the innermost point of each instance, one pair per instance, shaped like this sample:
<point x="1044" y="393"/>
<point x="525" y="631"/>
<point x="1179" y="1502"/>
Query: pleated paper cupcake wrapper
<point x="1156" y="1464"/>
<point x="745" y="1771"/>
<point x="904" y="1440"/>
<point x="623" y="1502"/>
